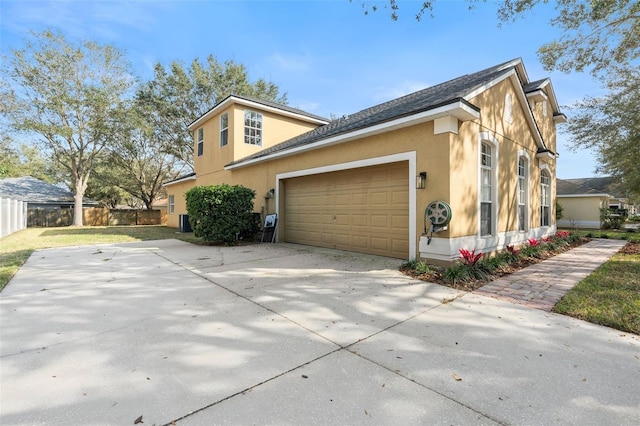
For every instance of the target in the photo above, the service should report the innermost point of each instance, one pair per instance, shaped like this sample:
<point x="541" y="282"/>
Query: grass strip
<point x="609" y="296"/>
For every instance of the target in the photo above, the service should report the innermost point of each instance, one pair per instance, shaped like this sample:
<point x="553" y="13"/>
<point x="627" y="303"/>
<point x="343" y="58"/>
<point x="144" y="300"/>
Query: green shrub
<point x="221" y="213"/>
<point x="458" y="273"/>
<point x="418" y="266"/>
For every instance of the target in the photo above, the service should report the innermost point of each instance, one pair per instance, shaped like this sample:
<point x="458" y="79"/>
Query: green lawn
<point x="16" y="248"/>
<point x="611" y="295"/>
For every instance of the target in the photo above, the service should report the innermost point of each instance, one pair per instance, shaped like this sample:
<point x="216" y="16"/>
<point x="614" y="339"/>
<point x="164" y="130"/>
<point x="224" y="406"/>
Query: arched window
<point x="486" y="189"/>
<point x="545" y="198"/>
<point x="523" y="184"/>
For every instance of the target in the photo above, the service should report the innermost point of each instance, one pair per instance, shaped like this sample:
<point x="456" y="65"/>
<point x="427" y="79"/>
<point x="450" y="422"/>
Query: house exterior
<point x="480" y="149"/>
<point x="47" y="204"/>
<point x="582" y="199"/>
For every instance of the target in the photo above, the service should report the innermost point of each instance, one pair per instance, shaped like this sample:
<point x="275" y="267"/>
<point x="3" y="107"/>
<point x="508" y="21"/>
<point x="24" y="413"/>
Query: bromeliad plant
<point x="470" y="257"/>
<point x="473" y="269"/>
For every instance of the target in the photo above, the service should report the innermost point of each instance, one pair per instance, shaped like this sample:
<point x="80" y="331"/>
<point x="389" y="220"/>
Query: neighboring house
<point x="484" y="144"/>
<point x="41" y="197"/>
<point x="582" y="199"/>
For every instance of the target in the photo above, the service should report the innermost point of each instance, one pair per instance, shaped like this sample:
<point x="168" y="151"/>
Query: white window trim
<point x="489" y="138"/>
<point x="524" y="154"/>
<point x="172" y="204"/>
<point x="261" y="129"/>
<point x="222" y="129"/>
<point x="545" y="168"/>
<point x="200" y="132"/>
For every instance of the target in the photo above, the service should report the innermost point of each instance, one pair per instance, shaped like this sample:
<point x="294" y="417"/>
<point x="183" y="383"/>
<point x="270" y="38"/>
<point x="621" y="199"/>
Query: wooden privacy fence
<point x="94" y="216"/>
<point x="13" y="216"/>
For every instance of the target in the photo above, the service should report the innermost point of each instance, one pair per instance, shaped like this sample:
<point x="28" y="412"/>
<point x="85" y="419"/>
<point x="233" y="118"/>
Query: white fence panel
<point x="13" y="216"/>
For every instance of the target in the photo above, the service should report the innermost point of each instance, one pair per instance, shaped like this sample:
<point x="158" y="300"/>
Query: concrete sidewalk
<point x="284" y="334"/>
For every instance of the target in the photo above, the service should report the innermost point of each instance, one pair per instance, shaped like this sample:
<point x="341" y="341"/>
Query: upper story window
<point x="545" y="198"/>
<point x="200" y="141"/>
<point x="544" y="108"/>
<point x="172" y="204"/>
<point x="224" y="129"/>
<point x="252" y="128"/>
<point x="486" y="189"/>
<point x="522" y="194"/>
<point x="508" y="108"/>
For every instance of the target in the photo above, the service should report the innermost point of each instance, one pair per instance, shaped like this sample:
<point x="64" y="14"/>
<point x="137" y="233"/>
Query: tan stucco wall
<point x="581" y="211"/>
<point x="180" y="207"/>
<point x="275" y="130"/>
<point x="450" y="160"/>
<point x="512" y="138"/>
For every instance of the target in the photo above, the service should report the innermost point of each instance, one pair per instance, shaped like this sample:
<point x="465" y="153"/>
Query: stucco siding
<point x="582" y="212"/>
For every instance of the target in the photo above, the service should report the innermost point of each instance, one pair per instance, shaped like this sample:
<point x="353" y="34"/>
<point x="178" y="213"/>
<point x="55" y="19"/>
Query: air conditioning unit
<point x="184" y="224"/>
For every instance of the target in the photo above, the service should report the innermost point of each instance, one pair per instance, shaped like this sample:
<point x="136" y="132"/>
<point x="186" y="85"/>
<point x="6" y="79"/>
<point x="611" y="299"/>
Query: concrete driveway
<point x="284" y="334"/>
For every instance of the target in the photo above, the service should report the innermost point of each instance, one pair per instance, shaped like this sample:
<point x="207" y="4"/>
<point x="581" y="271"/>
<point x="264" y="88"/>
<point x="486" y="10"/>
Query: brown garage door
<point x="364" y="210"/>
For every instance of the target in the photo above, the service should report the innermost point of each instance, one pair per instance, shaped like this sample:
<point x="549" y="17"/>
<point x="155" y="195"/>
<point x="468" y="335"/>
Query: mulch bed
<point x="632" y="247"/>
<point x="436" y="275"/>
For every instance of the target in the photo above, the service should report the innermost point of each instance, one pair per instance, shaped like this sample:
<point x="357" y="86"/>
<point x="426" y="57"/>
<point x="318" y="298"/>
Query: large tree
<point x="610" y="126"/>
<point x="17" y="160"/>
<point x="595" y="34"/>
<point x="66" y="93"/>
<point x="178" y="95"/>
<point x="136" y="163"/>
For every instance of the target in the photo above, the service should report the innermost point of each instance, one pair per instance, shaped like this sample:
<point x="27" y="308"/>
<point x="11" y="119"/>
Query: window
<point x="224" y="129"/>
<point x="486" y="190"/>
<point x="544" y="108"/>
<point x="252" y="128"/>
<point x="545" y="199"/>
<point x="200" y="141"/>
<point x="508" y="108"/>
<point x="522" y="194"/>
<point x="172" y="204"/>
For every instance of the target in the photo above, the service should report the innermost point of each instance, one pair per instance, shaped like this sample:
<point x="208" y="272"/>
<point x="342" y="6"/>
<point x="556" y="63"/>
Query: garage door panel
<point x="364" y="210"/>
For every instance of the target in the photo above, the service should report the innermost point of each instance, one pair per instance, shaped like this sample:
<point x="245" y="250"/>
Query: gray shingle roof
<point x="605" y="184"/>
<point x="534" y="85"/>
<point x="34" y="190"/>
<point x="566" y="187"/>
<point x="417" y="102"/>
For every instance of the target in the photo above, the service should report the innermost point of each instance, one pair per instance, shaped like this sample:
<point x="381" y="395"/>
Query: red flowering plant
<point x="512" y="250"/>
<point x="470" y="257"/>
<point x="563" y="234"/>
<point x="533" y="242"/>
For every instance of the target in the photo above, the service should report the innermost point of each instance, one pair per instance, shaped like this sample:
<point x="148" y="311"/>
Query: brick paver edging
<point x="542" y="285"/>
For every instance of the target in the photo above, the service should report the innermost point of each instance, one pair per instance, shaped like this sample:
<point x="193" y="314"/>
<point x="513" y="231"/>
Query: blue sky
<point x="326" y="54"/>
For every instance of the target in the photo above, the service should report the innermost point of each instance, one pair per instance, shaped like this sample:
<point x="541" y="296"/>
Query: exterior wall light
<point x="421" y="180"/>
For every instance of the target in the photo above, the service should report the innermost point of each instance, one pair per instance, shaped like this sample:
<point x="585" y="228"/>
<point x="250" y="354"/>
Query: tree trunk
<point x="78" y="196"/>
<point x="77" y="209"/>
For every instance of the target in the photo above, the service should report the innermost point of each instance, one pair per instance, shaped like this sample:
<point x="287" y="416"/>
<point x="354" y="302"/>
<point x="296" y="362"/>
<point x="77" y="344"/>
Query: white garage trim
<point x="404" y="156"/>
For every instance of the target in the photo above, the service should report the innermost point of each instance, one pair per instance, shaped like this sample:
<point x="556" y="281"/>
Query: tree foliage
<point x="135" y="162"/>
<point x="595" y="35"/>
<point x="610" y="126"/>
<point x="25" y="160"/>
<point x="68" y="95"/>
<point x="179" y="95"/>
